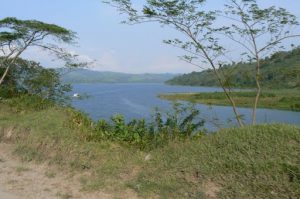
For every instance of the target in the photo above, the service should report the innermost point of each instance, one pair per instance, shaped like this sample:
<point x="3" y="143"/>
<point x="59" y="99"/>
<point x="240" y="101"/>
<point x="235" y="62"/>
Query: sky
<point x="103" y="39"/>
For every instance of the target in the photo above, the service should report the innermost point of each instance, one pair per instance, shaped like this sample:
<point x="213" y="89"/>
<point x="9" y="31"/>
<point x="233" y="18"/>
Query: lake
<point x="138" y="100"/>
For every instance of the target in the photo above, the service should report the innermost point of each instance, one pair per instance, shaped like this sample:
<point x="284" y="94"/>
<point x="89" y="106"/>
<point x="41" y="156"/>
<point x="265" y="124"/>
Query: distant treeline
<point x="281" y="70"/>
<point x="89" y="76"/>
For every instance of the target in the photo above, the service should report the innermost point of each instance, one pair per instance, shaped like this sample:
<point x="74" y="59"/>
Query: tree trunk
<point x="4" y="74"/>
<point x="227" y="93"/>
<point x="219" y="78"/>
<point x="12" y="61"/>
<point x="258" y="90"/>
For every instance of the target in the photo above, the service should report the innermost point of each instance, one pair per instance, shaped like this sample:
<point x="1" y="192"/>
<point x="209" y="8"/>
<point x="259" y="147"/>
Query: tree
<point x="30" y="78"/>
<point x="259" y="31"/>
<point x="190" y="18"/>
<point x="16" y="36"/>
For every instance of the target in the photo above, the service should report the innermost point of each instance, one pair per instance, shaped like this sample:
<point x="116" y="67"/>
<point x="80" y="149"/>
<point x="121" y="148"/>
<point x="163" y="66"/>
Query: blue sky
<point x="115" y="46"/>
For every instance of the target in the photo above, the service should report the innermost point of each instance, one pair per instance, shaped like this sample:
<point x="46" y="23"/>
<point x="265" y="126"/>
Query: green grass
<point x="274" y="99"/>
<point x="252" y="162"/>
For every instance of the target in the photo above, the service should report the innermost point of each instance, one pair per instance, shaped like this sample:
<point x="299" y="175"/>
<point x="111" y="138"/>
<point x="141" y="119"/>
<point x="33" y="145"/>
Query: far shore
<point x="272" y="99"/>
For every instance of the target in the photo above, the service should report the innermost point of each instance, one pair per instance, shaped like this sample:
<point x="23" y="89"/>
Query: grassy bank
<point x="274" y="99"/>
<point x="252" y="162"/>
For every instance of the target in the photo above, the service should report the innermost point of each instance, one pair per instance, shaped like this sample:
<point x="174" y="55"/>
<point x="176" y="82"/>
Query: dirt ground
<point x="23" y="180"/>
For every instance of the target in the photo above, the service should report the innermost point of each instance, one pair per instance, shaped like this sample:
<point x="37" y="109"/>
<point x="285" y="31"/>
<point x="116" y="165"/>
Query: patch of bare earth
<point x="210" y="190"/>
<point x="23" y="180"/>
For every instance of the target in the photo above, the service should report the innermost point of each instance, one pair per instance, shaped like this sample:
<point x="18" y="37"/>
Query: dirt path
<point x="19" y="180"/>
<point x="5" y="195"/>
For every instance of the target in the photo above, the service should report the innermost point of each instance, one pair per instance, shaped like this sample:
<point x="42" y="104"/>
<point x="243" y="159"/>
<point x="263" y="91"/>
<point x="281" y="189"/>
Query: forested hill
<point x="281" y="70"/>
<point x="89" y="76"/>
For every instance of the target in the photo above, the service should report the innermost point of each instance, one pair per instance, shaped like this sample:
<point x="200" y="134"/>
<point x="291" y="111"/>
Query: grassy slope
<point x="276" y="99"/>
<point x="253" y="162"/>
<point x="281" y="70"/>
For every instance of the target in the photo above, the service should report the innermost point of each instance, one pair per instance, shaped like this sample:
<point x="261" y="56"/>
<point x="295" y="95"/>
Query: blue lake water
<point x="139" y="101"/>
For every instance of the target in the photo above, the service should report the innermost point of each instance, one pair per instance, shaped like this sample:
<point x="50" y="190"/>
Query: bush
<point x="80" y="123"/>
<point x="180" y="123"/>
<point x="6" y="93"/>
<point x="29" y="103"/>
<point x="30" y="78"/>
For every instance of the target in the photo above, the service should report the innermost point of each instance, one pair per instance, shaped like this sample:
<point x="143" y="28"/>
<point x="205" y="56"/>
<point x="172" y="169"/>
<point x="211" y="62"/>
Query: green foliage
<point x="275" y="99"/>
<point x="7" y="92"/>
<point x="16" y="36"/>
<point x="80" y="122"/>
<point x="181" y="123"/>
<point x="220" y="95"/>
<point x="30" y="78"/>
<point x="25" y="103"/>
<point x="24" y="28"/>
<point x="268" y="27"/>
<point x="281" y="70"/>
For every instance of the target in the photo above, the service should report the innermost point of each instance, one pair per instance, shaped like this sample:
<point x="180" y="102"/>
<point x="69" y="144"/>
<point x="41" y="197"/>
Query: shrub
<point x="180" y="123"/>
<point x="81" y="123"/>
<point x="29" y="103"/>
<point x="30" y="78"/>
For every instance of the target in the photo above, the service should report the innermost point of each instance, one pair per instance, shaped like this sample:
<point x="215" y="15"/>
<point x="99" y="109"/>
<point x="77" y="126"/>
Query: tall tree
<point x="260" y="31"/>
<point x="190" y="18"/>
<point x="16" y="36"/>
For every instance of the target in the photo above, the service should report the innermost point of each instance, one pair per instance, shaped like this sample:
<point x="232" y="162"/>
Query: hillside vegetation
<point x="89" y="76"/>
<point x="252" y="162"/>
<point x="286" y="99"/>
<point x="281" y="70"/>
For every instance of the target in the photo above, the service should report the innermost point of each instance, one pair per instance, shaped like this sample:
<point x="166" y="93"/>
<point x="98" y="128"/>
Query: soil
<point x="26" y="180"/>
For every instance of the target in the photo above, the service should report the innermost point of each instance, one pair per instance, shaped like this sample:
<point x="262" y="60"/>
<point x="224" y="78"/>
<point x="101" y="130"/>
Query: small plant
<point x="21" y="169"/>
<point x="180" y="123"/>
<point x="120" y="130"/>
<point x="64" y="195"/>
<point x="78" y="119"/>
<point x="50" y="174"/>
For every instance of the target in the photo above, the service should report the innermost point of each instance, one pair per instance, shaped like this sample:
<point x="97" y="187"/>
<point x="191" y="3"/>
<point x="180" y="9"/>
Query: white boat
<point x="76" y="95"/>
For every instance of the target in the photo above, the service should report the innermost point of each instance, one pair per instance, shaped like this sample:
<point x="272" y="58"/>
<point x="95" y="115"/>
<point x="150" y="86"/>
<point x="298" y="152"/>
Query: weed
<point x="64" y="195"/>
<point x="180" y="123"/>
<point x="21" y="169"/>
<point x="50" y="174"/>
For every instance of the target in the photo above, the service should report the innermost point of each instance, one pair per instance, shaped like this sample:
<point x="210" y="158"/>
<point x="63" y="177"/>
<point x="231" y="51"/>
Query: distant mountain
<point x="89" y="76"/>
<point x="281" y="70"/>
